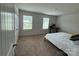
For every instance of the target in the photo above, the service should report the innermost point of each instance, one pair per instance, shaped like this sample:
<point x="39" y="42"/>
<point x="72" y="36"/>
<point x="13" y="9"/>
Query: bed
<point x="63" y="42"/>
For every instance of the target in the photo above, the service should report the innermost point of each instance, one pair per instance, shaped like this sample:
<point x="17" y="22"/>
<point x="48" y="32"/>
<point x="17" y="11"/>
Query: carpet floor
<point x="36" y="45"/>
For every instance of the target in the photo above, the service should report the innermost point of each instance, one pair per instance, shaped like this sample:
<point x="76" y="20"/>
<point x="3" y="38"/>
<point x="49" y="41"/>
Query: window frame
<point x="31" y="22"/>
<point x="43" y="23"/>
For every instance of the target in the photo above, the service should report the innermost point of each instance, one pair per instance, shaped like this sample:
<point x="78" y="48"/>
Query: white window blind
<point x="45" y="23"/>
<point x="27" y="22"/>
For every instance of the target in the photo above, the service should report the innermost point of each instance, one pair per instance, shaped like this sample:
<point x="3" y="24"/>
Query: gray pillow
<point x="76" y="42"/>
<point x="75" y="38"/>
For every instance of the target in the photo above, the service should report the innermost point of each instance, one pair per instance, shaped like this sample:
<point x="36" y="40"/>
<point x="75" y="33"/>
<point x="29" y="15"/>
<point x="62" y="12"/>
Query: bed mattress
<point x="63" y="42"/>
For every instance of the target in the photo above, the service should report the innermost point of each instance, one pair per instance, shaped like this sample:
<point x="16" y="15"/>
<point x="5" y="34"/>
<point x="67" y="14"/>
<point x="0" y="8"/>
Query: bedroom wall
<point x="37" y="23"/>
<point x="69" y="23"/>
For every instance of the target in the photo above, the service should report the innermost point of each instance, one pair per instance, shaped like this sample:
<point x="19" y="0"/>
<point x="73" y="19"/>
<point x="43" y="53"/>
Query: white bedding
<point x="63" y="42"/>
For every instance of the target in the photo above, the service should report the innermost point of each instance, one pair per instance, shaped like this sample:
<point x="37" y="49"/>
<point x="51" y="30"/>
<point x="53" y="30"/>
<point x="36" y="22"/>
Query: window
<point x="7" y="21"/>
<point x="27" y="22"/>
<point x="45" y="23"/>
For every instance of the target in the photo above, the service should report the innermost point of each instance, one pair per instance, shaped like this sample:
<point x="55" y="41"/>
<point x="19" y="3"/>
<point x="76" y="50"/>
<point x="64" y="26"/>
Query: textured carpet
<point x="36" y="46"/>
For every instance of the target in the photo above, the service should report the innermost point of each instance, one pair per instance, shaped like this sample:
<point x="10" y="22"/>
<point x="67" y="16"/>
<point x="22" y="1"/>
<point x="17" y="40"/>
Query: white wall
<point x="37" y="23"/>
<point x="69" y="23"/>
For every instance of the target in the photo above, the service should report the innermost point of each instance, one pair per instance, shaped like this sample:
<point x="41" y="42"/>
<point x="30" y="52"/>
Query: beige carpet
<point x="36" y="46"/>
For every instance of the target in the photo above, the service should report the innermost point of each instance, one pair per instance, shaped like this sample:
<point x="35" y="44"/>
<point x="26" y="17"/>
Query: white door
<point x="0" y="35"/>
<point x="16" y="24"/>
<point x="16" y="28"/>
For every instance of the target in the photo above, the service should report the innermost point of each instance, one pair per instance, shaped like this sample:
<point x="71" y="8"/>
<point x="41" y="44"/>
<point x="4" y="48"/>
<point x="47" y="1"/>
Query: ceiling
<point x="50" y="8"/>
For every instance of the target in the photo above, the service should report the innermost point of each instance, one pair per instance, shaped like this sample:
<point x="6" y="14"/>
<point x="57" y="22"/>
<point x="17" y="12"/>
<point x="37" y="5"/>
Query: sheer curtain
<point x="7" y="17"/>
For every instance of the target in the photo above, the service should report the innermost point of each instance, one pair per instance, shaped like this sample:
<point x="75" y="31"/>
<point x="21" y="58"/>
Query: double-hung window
<point x="27" y="22"/>
<point x="45" y="23"/>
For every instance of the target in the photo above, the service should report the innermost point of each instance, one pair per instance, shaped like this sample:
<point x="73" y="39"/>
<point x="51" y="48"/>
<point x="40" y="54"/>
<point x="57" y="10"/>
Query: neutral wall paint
<point x="69" y="23"/>
<point x="37" y="23"/>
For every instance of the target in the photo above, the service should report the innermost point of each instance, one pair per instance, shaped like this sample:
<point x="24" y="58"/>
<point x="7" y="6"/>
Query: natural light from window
<point x="27" y="22"/>
<point x="45" y="23"/>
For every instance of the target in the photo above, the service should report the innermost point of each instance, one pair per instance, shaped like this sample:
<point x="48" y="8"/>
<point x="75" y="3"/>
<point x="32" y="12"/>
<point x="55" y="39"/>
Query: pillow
<point x="74" y="33"/>
<point x="76" y="42"/>
<point x="75" y="37"/>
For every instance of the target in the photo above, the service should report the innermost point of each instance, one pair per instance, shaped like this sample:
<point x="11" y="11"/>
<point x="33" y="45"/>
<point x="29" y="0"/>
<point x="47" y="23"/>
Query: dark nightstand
<point x="53" y="29"/>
